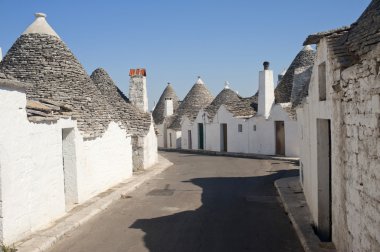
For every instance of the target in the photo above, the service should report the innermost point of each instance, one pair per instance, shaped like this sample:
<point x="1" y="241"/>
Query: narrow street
<point x="201" y="203"/>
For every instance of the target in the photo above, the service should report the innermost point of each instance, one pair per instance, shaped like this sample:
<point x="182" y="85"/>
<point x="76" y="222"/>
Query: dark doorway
<point x="200" y="136"/>
<point x="324" y="179"/>
<point x="223" y="137"/>
<point x="165" y="137"/>
<point x="280" y="138"/>
<point x="170" y="140"/>
<point x="189" y="140"/>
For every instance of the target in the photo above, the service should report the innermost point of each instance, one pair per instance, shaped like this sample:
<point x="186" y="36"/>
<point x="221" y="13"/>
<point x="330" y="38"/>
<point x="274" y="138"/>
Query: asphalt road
<point x="201" y="203"/>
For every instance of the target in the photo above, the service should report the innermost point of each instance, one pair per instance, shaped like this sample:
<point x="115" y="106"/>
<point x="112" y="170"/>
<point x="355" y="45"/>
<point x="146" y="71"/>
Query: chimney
<point x="137" y="89"/>
<point x="1" y="55"/>
<point x="168" y="107"/>
<point x="266" y="91"/>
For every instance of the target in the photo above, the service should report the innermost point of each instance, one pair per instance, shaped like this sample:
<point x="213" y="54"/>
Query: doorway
<point x="189" y="140"/>
<point x="170" y="140"/>
<point x="280" y="137"/>
<point x="223" y="137"/>
<point x="165" y="136"/>
<point x="200" y="136"/>
<point x="69" y="168"/>
<point x="324" y="178"/>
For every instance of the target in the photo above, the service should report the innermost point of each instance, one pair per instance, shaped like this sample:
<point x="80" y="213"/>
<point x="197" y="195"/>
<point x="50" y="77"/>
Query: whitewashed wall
<point x="261" y="141"/>
<point x="291" y="129"/>
<point x="185" y="127"/>
<point x="32" y="176"/>
<point x="307" y="117"/>
<point x="150" y="148"/>
<point x="236" y="141"/>
<point x="32" y="190"/>
<point x="161" y="135"/>
<point x="356" y="154"/>
<point x="102" y="162"/>
<point x="176" y="139"/>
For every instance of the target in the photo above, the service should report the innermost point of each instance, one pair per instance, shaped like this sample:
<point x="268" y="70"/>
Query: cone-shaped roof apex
<point x="199" y="81"/>
<point x="159" y="110"/>
<point x="40" y="26"/>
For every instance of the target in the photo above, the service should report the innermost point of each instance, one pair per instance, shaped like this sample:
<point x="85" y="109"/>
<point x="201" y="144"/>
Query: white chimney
<point x="1" y="55"/>
<point x="168" y="107"/>
<point x="266" y="91"/>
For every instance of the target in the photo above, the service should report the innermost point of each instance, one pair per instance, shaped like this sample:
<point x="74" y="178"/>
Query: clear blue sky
<point x="179" y="40"/>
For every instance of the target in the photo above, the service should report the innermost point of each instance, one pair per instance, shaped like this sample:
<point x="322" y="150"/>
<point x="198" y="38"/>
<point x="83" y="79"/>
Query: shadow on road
<point x="237" y="214"/>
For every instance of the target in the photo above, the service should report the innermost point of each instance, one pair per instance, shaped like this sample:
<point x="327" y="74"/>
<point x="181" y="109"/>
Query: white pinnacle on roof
<point x="40" y="26"/>
<point x="199" y="81"/>
<point x="226" y="85"/>
<point x="308" y="48"/>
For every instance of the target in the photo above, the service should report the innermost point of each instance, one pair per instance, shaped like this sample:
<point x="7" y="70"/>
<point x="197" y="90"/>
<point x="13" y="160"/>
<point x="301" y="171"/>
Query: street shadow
<point x="237" y="214"/>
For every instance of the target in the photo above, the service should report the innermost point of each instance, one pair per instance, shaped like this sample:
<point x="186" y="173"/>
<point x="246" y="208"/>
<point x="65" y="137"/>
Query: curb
<point x="45" y="239"/>
<point x="294" y="202"/>
<point x="294" y="160"/>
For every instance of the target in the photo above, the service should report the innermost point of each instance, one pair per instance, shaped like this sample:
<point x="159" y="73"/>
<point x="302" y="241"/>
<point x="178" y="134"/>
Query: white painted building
<point x="163" y="113"/>
<point x="258" y="124"/>
<point x="339" y="135"/>
<point x="197" y="98"/>
<point x="61" y="142"/>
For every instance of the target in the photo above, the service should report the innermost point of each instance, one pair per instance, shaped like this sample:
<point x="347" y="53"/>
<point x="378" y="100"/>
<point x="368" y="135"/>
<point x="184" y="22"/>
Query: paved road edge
<point x="294" y="203"/>
<point x="45" y="239"/>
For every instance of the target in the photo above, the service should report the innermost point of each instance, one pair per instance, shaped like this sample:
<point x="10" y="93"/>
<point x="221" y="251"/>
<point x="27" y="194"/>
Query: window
<point x="322" y="81"/>
<point x="240" y="127"/>
<point x="254" y="127"/>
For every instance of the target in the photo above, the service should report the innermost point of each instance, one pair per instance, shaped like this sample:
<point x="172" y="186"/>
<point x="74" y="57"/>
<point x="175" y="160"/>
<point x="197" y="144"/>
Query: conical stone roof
<point x="159" y="110"/>
<point x="283" y="90"/>
<point x="135" y="121"/>
<point x="226" y="96"/>
<point x="44" y="61"/>
<point x="198" y="97"/>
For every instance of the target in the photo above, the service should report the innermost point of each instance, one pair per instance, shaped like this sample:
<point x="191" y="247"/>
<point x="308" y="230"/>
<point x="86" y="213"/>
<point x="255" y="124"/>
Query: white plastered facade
<point x="312" y="110"/>
<point x="37" y="186"/>
<point x="353" y="110"/>
<point x="259" y="141"/>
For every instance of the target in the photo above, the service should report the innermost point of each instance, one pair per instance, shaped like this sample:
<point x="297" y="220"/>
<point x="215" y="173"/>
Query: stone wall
<point x="137" y="92"/>
<point x="352" y="106"/>
<point x="356" y="184"/>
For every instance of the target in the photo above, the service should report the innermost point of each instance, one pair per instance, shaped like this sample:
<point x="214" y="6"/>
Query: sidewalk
<point x="294" y="202"/>
<point x="44" y="239"/>
<point x="233" y="154"/>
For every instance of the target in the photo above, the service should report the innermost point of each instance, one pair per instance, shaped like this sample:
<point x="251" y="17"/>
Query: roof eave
<point x="315" y="38"/>
<point x="14" y="84"/>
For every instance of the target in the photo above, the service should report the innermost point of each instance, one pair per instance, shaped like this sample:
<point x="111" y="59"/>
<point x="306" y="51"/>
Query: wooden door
<point x="223" y="137"/>
<point x="189" y="140"/>
<point x="280" y="137"/>
<point x="200" y="136"/>
<point x="324" y="178"/>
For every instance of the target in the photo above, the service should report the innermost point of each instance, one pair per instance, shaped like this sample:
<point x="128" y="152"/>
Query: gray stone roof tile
<point x="198" y="97"/>
<point x="225" y="96"/>
<point x="158" y="112"/>
<point x="134" y="120"/>
<point x="283" y="91"/>
<point x="55" y="73"/>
